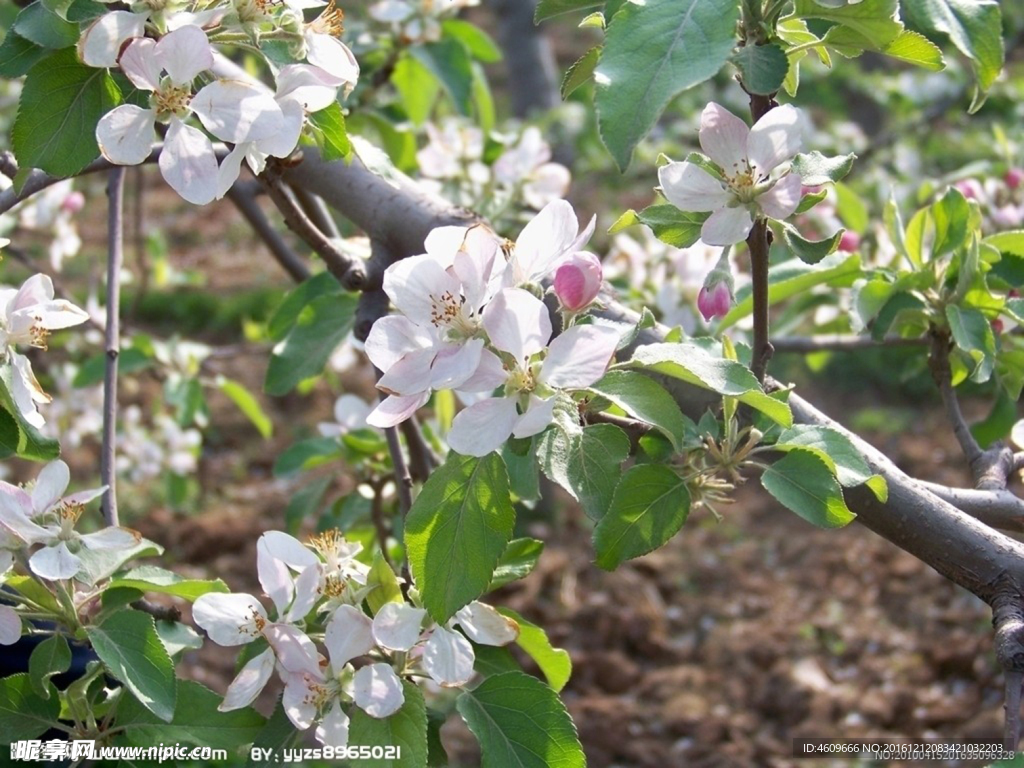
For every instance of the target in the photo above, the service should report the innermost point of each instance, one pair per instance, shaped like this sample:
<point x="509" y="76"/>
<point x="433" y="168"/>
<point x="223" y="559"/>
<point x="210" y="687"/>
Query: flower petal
<point x="349" y="634"/>
<point x="188" y="163"/>
<point x="333" y="729"/>
<point x="15" y="501"/>
<point x="393" y="337"/>
<point x="140" y="65"/>
<point x="416" y="284"/>
<point x="235" y="111"/>
<point x="726" y="226"/>
<point x="229" y="619"/>
<point x="410" y="375"/>
<point x="310" y="86"/>
<point x="377" y="690"/>
<point x="293" y="648"/>
<point x="395" y="409"/>
<point x="485" y="625"/>
<point x="537" y="417"/>
<point x="543" y="240"/>
<point x="101" y="44"/>
<point x="488" y="376"/>
<point x="723" y="137"/>
<point x="111" y="537"/>
<point x="483" y="427"/>
<point x="10" y="625"/>
<point x="299" y="697"/>
<point x="690" y="188"/>
<point x="455" y="364"/>
<point x="55" y="563"/>
<point x="283" y="142"/>
<point x="580" y="356"/>
<point x="248" y="682"/>
<point x="781" y="201"/>
<point x="184" y="53"/>
<point x="231" y="168"/>
<point x="288" y="550"/>
<point x="334" y="57"/>
<point x="517" y="322"/>
<point x="448" y="658"/>
<point x="125" y="134"/>
<point x="774" y="138"/>
<point x="50" y="485"/>
<point x="397" y="626"/>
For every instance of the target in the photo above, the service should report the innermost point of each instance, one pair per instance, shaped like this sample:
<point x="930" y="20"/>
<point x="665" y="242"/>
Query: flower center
<point x="520" y="380"/>
<point x="446" y="312"/>
<point x="329" y="22"/>
<point x="254" y="10"/>
<point x="172" y="99"/>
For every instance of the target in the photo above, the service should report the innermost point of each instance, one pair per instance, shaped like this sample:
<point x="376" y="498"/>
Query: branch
<point x="243" y="197"/>
<point x="804" y="345"/>
<point x="115" y="258"/>
<point x="1008" y="620"/>
<point x="999" y="509"/>
<point x="758" y="244"/>
<point x="422" y="460"/>
<point x="317" y="211"/>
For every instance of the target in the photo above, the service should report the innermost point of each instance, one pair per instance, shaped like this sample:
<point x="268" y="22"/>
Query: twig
<point x="939" y="363"/>
<point x="402" y="477"/>
<point x="245" y="200"/>
<point x="758" y="243"/>
<point x="377" y="515"/>
<point x="115" y="257"/>
<point x="422" y="460"/>
<point x="139" y="239"/>
<point x="158" y="612"/>
<point x="634" y="429"/>
<point x="316" y="209"/>
<point x="803" y="345"/>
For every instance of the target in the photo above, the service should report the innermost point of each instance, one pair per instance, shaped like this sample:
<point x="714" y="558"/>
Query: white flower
<point x="31" y="312"/>
<point x="350" y="412"/>
<point x="747" y="158"/>
<point x="550" y="236"/>
<point x="527" y="163"/>
<point x="326" y="51"/>
<point x="101" y="44"/>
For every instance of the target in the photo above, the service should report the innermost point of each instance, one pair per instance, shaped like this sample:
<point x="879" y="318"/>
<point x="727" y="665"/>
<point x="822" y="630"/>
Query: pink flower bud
<point x="73" y="203"/>
<point x="1014" y="177"/>
<point x="849" y="242"/>
<point x="997" y="326"/>
<point x="578" y="280"/>
<point x="715" y="298"/>
<point x="970" y="188"/>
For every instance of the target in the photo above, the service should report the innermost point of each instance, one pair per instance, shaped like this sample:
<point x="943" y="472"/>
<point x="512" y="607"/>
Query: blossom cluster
<point x="471" y="321"/>
<point x="417" y="21"/>
<point x="50" y="212"/>
<point x="163" y="53"/>
<point x="1001" y="200"/>
<point x="318" y="593"/>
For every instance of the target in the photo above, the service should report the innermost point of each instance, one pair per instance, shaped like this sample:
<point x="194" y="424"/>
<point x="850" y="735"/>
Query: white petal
<point x="289" y="550"/>
<point x="188" y="163"/>
<point x="125" y="134"/>
<point x="231" y="168"/>
<point x="204" y="19"/>
<point x="774" y="138"/>
<point x="781" y="201"/>
<point x="310" y="86"/>
<point x="483" y="427"/>
<point x="283" y="142"/>
<point x="55" y="563"/>
<point x="723" y="137"/>
<point x="27" y="391"/>
<point x="249" y="682"/>
<point x="21" y="528"/>
<point x="690" y="188"/>
<point x="333" y="56"/>
<point x="544" y="240"/>
<point x="184" y="53"/>
<point x="307" y="592"/>
<point x="455" y="364"/>
<point x="333" y="729"/>
<point x="101" y="44"/>
<point x="36" y="290"/>
<point x="15" y="501"/>
<point x="448" y="658"/>
<point x="50" y="485"/>
<point x="517" y="322"/>
<point x="416" y="284"/>
<point x="485" y="625"/>
<point x="293" y="648"/>
<point x="377" y="690"/>
<point x="349" y="635"/>
<point x="10" y="625"/>
<point x="538" y="415"/>
<point x="236" y="111"/>
<point x="397" y="626"/>
<point x="140" y="65"/>
<point x="391" y="338"/>
<point x="298" y="699"/>
<point x="395" y="409"/>
<point x="443" y="243"/>
<point x="111" y="537"/>
<point x="57" y="314"/>
<point x="350" y="411"/>
<point x="726" y="226"/>
<point x="579" y="356"/>
<point x="409" y="375"/>
<point x="84" y="497"/>
<point x="229" y="619"/>
<point x="549" y="182"/>
<point x="6" y="555"/>
<point x="474" y="265"/>
<point x="391" y="11"/>
<point x="489" y="375"/>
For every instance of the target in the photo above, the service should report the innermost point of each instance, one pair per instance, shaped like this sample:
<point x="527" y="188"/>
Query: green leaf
<point x="580" y="72"/>
<point x="51" y="657"/>
<point x="23" y="715"/>
<point x="652" y="52"/>
<point x="307" y="454"/>
<point x="872" y="22"/>
<point x="128" y="645"/>
<point x="680" y="229"/>
<point x="555" y="663"/>
<point x="520" y="722"/>
<point x="406" y="729"/>
<point x="816" y="169"/>
<point x="321" y="326"/>
<point x="951" y="215"/>
<point x="247" y="404"/>
<point x="331" y="136"/>
<point x="643" y="398"/>
<point x="178" y="637"/>
<point x="457" y="530"/>
<point x="196" y="721"/>
<point x="59" y="7"/>
<point x="383" y="586"/>
<point x="449" y="62"/>
<point x="915" y="48"/>
<point x="479" y="44"/>
<point x="44" y="27"/>
<point x="62" y="100"/>
<point x="838" y="452"/>
<point x="803" y="483"/>
<point x="650" y="505"/>
<point x="809" y="251"/>
<point x="697" y="366"/>
<point x="762" y="68"/>
<point x="417" y="88"/>
<point x="586" y="465"/>
<point x="305" y="502"/>
<point x="975" y="27"/>
<point x="973" y="335"/>
<point x="18" y="55"/>
<point x="17" y="436"/>
<point x="1011" y="241"/>
<point x="999" y="422"/>
<point x="548" y="8"/>
<point x="287" y="313"/>
<point x="151" y="578"/>
<point x="517" y="562"/>
<point x="277" y="735"/>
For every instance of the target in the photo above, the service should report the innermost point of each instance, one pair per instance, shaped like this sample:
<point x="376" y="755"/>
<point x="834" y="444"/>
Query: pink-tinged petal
<point x="715" y="301"/>
<point x="485" y="625"/>
<point x="283" y="143"/>
<point x="517" y="322"/>
<point x="483" y="427"/>
<point x="50" y="485"/>
<point x="781" y="201"/>
<point x="111" y="537"/>
<point x="235" y="111"/>
<point x="397" y="626"/>
<point x="578" y="280"/>
<point x="275" y="578"/>
<point x="14" y="501"/>
<point x="690" y="188"/>
<point x="395" y="409"/>
<point x="410" y="375"/>
<point x="543" y="240"/>
<point x="101" y="44"/>
<point x="232" y="619"/>
<point x="311" y="87"/>
<point x="55" y="563"/>
<point x="204" y="19"/>
<point x="333" y="57"/>
<point x="293" y="648"/>
<point x="22" y="528"/>
<point x="448" y="658"/>
<point x="140" y="65"/>
<point x="184" y="53"/>
<point x="188" y="163"/>
<point x="455" y="364"/>
<point x="488" y="376"/>
<point x="774" y="138"/>
<point x="580" y="356"/>
<point x="10" y="625"/>
<point x="377" y="690"/>
<point x="726" y="226"/>
<point x="583" y="237"/>
<point x="416" y="285"/>
<point x="248" y="684"/>
<point x="723" y="137"/>
<point x="349" y="635"/>
<point x="125" y="134"/>
<point x="299" y="697"/>
<point x="333" y="729"/>
<point x="536" y="419"/>
<point x="391" y="338"/>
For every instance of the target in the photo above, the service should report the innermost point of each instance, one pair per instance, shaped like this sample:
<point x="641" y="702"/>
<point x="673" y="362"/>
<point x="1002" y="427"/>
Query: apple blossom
<point x="527" y="164"/>
<point x="544" y="241"/>
<point x="747" y="158"/>
<point x="715" y="297"/>
<point x="350" y="412"/>
<point x="325" y="50"/>
<point x="1014" y="177"/>
<point x="417" y="20"/>
<point x="578" y="281"/>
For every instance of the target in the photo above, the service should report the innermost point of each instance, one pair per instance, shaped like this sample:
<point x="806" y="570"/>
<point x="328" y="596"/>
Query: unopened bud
<point x="849" y="242"/>
<point x="578" y="280"/>
<point x="73" y="203"/>
<point x="997" y="325"/>
<point x="715" y="297"/>
<point x="1014" y="178"/>
<point x="970" y="188"/>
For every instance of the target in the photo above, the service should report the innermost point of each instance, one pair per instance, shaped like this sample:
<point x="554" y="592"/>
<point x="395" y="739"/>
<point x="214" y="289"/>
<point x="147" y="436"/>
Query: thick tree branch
<point x="317" y="212"/>
<point x="1000" y="509"/>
